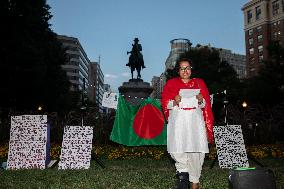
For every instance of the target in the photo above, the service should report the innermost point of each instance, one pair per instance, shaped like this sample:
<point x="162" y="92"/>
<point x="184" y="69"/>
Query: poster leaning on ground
<point x="76" y="147"/>
<point x="230" y="146"/>
<point x="29" y="142"/>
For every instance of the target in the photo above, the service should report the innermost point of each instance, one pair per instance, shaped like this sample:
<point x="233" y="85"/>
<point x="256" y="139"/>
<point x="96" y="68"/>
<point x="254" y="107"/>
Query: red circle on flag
<point x="148" y="122"/>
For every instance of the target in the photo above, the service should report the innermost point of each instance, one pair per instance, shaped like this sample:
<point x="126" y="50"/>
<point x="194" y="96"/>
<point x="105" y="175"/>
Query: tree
<point x="266" y="90"/>
<point x="31" y="57"/>
<point x="270" y="80"/>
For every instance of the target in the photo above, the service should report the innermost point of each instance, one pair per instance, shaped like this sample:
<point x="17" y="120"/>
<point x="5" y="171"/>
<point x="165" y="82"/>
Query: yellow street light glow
<point x="39" y="108"/>
<point x="244" y="104"/>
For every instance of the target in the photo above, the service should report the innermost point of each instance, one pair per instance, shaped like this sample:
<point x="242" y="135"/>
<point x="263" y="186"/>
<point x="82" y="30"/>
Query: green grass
<point x="119" y="174"/>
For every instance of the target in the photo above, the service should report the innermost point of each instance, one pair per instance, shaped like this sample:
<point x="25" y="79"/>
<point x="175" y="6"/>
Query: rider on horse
<point x="136" y="58"/>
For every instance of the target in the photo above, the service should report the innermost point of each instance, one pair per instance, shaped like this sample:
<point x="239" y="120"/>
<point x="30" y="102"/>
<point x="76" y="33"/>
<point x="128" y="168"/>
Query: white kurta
<point x="186" y="131"/>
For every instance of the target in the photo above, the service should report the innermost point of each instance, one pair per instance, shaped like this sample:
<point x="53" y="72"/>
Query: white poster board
<point x="230" y="146"/>
<point x="110" y="100"/>
<point x="28" y="142"/>
<point x="76" y="147"/>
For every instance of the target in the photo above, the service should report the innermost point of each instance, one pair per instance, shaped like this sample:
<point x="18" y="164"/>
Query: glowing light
<point x="244" y="104"/>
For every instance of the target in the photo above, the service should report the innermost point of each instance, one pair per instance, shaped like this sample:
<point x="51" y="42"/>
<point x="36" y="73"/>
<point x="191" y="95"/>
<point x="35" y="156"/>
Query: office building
<point x="77" y="65"/>
<point x="237" y="61"/>
<point x="263" y="23"/>
<point x="155" y="84"/>
<point x="96" y="87"/>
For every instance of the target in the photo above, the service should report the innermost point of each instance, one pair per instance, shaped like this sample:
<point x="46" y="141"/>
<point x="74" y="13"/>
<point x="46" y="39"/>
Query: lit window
<point x="260" y="58"/>
<point x="260" y="48"/>
<point x="251" y="50"/>
<point x="250" y="32"/>
<point x="252" y="70"/>
<point x="251" y="41"/>
<point x="259" y="28"/>
<point x="274" y="35"/>
<point x="259" y="38"/>
<point x="279" y="32"/>
<point x="258" y="12"/>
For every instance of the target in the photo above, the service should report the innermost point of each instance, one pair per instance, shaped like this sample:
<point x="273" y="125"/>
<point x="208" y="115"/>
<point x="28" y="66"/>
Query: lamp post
<point x="225" y="102"/>
<point x="83" y="107"/>
<point x="251" y="125"/>
<point x="244" y="105"/>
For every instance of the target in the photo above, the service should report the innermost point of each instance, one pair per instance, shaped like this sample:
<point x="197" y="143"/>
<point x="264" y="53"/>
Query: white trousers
<point x="190" y="162"/>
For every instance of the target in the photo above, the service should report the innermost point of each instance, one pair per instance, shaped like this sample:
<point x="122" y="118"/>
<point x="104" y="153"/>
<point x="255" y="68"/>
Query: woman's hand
<point x="199" y="97"/>
<point x="177" y="100"/>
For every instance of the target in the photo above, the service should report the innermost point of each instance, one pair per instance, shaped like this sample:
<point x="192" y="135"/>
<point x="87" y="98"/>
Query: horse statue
<point x="136" y="59"/>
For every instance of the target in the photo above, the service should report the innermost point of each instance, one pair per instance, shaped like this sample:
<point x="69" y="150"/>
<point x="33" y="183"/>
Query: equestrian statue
<point x="136" y="59"/>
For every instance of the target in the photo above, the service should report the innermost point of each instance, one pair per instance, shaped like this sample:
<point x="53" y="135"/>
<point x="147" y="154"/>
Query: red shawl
<point x="171" y="89"/>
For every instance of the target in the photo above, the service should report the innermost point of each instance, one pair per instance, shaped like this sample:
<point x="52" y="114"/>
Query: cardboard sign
<point x="28" y="143"/>
<point x="230" y="146"/>
<point x="110" y="100"/>
<point x="76" y="147"/>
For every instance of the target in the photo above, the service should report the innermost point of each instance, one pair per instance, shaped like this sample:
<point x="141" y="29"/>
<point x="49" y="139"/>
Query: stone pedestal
<point x="134" y="90"/>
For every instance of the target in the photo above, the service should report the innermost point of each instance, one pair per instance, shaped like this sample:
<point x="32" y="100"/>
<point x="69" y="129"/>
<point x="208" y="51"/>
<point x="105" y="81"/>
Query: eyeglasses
<point x="187" y="68"/>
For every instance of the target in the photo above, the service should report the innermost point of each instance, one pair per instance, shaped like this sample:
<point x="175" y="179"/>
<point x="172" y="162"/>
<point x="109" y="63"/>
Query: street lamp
<point x="39" y="108"/>
<point x="244" y="104"/>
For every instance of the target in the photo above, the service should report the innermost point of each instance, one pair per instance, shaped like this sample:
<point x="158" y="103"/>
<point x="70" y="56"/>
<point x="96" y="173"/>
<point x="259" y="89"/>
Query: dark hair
<point x="182" y="60"/>
<point x="174" y="72"/>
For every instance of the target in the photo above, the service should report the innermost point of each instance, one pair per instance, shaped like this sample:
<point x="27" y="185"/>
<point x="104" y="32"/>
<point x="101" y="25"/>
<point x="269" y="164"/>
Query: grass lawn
<point x="132" y="174"/>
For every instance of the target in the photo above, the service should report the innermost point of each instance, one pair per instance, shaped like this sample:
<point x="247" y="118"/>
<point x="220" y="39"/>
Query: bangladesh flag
<point x="139" y="125"/>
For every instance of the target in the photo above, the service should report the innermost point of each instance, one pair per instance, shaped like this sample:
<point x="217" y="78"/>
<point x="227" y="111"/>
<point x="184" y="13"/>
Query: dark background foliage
<point x="31" y="76"/>
<point x="31" y="73"/>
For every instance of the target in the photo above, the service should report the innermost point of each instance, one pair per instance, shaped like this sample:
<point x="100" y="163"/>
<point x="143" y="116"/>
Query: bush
<point x="155" y="152"/>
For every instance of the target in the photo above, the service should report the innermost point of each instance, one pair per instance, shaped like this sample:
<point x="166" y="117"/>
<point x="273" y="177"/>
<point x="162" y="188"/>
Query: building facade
<point x="96" y="87"/>
<point x="155" y="85"/>
<point x="158" y="83"/>
<point x="77" y="65"/>
<point x="263" y="23"/>
<point x="237" y="61"/>
<point x="178" y="47"/>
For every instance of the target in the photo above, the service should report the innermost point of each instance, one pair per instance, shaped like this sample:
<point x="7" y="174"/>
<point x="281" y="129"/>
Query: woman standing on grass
<point x="190" y="127"/>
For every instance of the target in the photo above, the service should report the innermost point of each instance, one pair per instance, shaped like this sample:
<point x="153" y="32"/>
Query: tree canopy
<point x="31" y="57"/>
<point x="270" y="80"/>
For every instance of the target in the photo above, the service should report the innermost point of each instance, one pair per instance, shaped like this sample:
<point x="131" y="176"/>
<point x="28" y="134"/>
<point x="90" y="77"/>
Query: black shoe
<point x="182" y="182"/>
<point x="143" y="66"/>
<point x="127" y="65"/>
